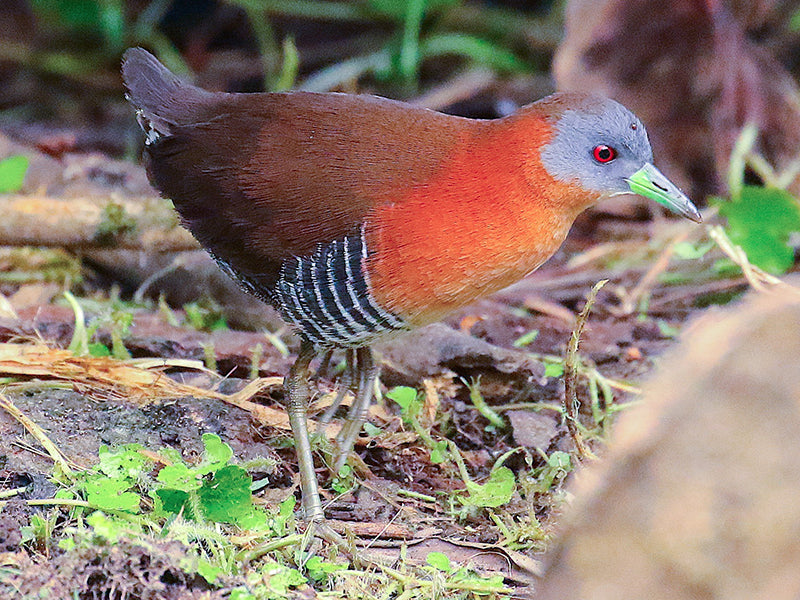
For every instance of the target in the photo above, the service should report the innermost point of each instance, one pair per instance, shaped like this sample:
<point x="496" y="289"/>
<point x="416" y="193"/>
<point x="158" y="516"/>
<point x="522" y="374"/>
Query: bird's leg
<point x="299" y="392"/>
<point x="342" y="387"/>
<point x="325" y="363"/>
<point x="365" y="372"/>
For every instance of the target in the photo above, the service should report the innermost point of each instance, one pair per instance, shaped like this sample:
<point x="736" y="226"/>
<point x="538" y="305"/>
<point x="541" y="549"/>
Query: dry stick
<point x="631" y="300"/>
<point x="461" y="87"/>
<point x="571" y="403"/>
<point x="38" y="433"/>
<point x="90" y="223"/>
<point x="758" y="279"/>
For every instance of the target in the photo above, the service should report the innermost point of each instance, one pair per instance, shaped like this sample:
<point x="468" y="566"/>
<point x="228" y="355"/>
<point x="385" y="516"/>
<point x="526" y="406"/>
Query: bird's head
<point x="602" y="146"/>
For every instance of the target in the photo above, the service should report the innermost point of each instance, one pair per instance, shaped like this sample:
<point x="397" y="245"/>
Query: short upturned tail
<point x="162" y="100"/>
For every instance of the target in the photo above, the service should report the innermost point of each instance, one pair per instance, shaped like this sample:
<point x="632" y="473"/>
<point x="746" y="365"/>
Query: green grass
<point x="89" y="36"/>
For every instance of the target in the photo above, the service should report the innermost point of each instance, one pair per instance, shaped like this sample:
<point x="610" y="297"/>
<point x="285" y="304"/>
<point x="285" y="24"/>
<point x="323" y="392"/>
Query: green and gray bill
<point x="651" y="183"/>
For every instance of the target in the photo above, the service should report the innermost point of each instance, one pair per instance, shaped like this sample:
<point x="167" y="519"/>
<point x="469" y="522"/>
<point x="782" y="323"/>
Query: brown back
<point x="258" y="178"/>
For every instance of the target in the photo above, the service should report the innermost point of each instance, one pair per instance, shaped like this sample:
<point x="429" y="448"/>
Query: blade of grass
<point x="79" y="344"/>
<point x="479" y="50"/>
<point x="265" y="38"/>
<point x="290" y="65"/>
<point x="409" y="47"/>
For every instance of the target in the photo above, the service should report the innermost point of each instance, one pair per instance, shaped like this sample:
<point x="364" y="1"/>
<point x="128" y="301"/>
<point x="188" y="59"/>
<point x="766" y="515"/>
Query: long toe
<point x="365" y="373"/>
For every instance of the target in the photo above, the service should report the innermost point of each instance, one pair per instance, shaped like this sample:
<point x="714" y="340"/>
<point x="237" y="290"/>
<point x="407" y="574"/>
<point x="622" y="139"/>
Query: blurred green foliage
<point x="761" y="220"/>
<point x="794" y="21"/>
<point x="12" y="173"/>
<point x="414" y="33"/>
<point x="101" y="19"/>
<point x="417" y="37"/>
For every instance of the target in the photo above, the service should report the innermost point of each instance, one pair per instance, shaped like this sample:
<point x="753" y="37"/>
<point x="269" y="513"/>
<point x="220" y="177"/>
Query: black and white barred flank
<point x="329" y="298"/>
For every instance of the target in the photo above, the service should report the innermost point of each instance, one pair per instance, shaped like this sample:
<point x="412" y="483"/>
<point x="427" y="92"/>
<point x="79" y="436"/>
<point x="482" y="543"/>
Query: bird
<point x="359" y="217"/>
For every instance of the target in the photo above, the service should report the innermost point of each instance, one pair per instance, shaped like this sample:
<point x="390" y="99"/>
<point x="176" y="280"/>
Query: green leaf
<point x="98" y="349"/>
<point x="67" y="544"/>
<point x="105" y="527"/>
<point x="558" y="465"/>
<point x="124" y="462"/>
<point x="111" y="494"/>
<point x="318" y="570"/>
<point x="439" y="452"/>
<point x="256" y="519"/>
<point x="761" y="220"/>
<point x="403" y="395"/>
<point x="439" y="561"/>
<point x="12" y="173"/>
<point x="241" y="593"/>
<point x="560" y="460"/>
<point x="371" y="430"/>
<point x="179" y="477"/>
<point x="227" y="498"/>
<point x="216" y="453"/>
<point x="553" y="369"/>
<point x="408" y="400"/>
<point x="172" y="501"/>
<point x="286" y="508"/>
<point x="343" y="480"/>
<point x="526" y="338"/>
<point x="497" y="490"/>
<point x="209" y="571"/>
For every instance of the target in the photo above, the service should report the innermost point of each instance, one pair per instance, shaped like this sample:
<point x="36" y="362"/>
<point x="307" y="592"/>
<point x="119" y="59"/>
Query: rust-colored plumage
<point x="487" y="217"/>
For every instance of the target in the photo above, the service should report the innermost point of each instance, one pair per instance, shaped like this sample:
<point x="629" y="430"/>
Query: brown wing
<point x="258" y="178"/>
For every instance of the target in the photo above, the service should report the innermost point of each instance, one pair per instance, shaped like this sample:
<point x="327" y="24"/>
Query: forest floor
<point x="466" y="454"/>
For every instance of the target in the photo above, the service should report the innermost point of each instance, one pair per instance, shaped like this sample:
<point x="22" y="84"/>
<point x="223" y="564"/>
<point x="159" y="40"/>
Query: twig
<point x="80" y="223"/>
<point x="38" y="433"/>
<point x="756" y="277"/>
<point x="631" y="299"/>
<point x="571" y="403"/>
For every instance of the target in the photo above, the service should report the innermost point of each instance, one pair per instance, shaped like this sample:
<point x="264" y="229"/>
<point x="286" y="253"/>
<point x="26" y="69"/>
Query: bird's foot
<point x="319" y="531"/>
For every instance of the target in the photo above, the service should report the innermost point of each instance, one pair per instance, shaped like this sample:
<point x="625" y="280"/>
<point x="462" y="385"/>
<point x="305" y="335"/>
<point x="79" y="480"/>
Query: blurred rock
<point x="428" y="351"/>
<point x="698" y="495"/>
<point x="533" y="429"/>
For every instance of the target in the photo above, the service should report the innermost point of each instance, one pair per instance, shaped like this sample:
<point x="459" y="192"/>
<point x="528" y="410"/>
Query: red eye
<point x="604" y="154"/>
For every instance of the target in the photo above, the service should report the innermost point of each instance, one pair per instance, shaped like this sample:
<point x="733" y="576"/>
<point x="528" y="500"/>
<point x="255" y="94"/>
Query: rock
<point x="431" y="350"/>
<point x="698" y="495"/>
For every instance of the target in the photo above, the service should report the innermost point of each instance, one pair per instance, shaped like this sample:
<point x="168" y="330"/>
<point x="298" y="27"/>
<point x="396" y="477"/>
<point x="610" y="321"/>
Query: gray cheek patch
<point x="568" y="157"/>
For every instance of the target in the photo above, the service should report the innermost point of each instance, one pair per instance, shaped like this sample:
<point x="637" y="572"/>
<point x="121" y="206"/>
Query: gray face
<point x="586" y="137"/>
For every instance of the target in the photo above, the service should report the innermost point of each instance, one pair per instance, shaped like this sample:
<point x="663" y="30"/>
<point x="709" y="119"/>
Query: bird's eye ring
<point x="604" y="154"/>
